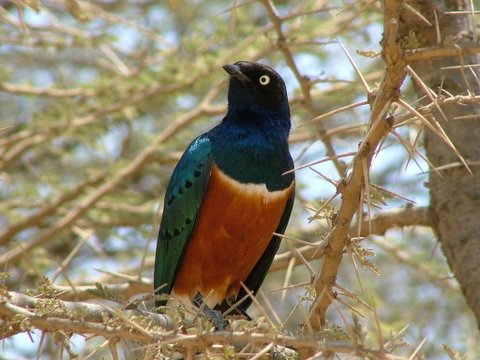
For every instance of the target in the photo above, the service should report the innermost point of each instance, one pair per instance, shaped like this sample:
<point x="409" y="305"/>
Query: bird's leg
<point x="215" y="316"/>
<point x="233" y="307"/>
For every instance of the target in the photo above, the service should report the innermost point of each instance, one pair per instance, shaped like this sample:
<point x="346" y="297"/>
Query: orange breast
<point x="233" y="229"/>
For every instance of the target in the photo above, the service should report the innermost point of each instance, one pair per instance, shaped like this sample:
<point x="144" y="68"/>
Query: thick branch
<point x="22" y="313"/>
<point x="351" y="188"/>
<point x="455" y="192"/>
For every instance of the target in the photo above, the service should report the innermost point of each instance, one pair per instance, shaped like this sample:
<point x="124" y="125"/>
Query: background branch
<point x="377" y="225"/>
<point x="99" y="100"/>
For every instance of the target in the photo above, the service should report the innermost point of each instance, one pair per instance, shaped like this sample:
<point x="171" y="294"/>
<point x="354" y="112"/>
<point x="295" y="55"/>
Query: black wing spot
<point x="197" y="173"/>
<point x="171" y="200"/>
<point x="188" y="184"/>
<point x="167" y="236"/>
<point x="188" y="221"/>
<point x="176" y="232"/>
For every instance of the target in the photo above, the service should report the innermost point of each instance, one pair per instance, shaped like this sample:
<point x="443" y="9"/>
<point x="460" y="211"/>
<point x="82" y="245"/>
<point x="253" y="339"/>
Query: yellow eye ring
<point x="264" y="80"/>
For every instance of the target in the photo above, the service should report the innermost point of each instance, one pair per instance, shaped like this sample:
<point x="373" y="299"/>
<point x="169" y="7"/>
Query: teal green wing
<point x="182" y="203"/>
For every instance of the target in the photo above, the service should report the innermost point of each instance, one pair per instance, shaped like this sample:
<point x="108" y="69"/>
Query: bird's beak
<point x="235" y="71"/>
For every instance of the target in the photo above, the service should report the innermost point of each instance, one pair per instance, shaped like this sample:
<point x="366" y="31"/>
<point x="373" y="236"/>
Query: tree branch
<point x="351" y="188"/>
<point x="377" y="225"/>
<point x="131" y="286"/>
<point x="128" y="171"/>
<point x="23" y="313"/>
<point x="36" y="218"/>
<point x="428" y="53"/>
<point x="127" y="286"/>
<point x="18" y="89"/>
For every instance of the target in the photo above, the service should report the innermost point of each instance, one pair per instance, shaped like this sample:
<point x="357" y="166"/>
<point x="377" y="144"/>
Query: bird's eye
<point x="264" y="80"/>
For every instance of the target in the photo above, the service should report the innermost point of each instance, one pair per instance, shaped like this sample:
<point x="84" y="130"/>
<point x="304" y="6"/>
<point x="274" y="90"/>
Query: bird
<point x="229" y="198"/>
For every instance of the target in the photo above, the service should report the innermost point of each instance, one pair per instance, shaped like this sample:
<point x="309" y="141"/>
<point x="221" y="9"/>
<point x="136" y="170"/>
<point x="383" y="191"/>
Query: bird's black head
<point x="256" y="87"/>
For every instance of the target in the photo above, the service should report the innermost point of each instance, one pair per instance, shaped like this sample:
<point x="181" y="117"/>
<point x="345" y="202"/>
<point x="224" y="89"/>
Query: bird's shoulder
<point x="194" y="160"/>
<point x="186" y="188"/>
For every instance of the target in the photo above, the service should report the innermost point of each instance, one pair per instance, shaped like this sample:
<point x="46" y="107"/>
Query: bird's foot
<point x="216" y="318"/>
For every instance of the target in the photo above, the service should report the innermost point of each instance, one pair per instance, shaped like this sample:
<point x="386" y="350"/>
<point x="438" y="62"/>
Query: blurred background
<point x="99" y="99"/>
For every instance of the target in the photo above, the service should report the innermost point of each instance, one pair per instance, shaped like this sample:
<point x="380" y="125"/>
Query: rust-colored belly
<point x="234" y="227"/>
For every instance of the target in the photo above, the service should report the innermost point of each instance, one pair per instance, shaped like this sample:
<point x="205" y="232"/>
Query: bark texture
<point x="455" y="193"/>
